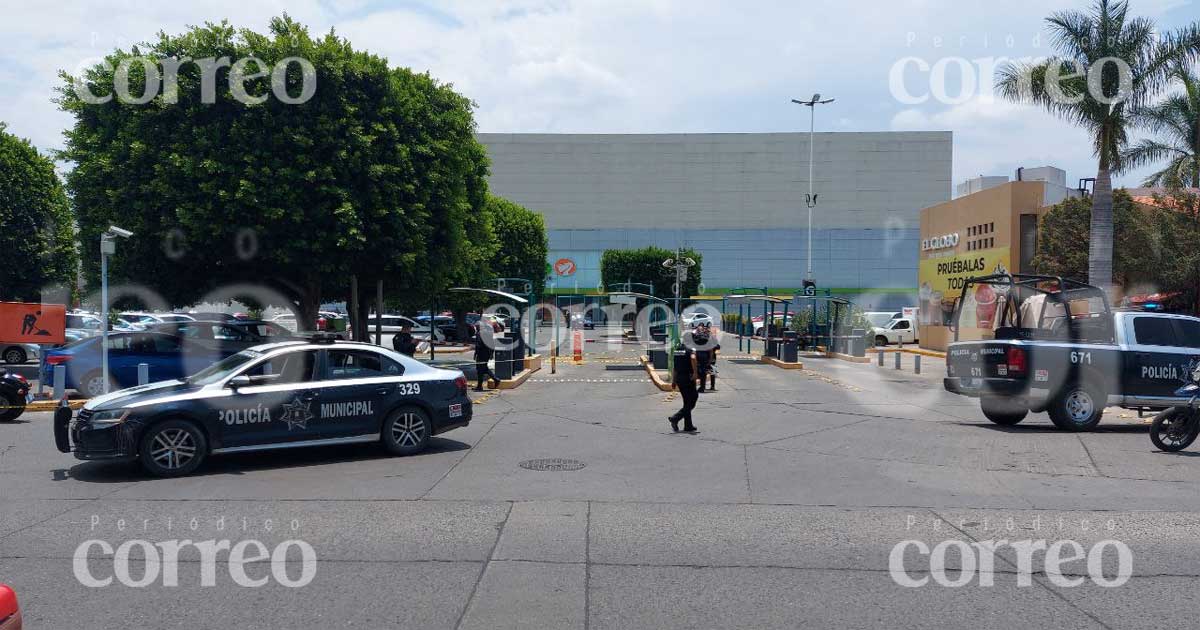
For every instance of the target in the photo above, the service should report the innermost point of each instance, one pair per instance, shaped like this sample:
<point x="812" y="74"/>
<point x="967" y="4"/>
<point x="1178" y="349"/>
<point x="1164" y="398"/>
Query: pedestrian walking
<point x="706" y="357"/>
<point x="403" y="342"/>
<point x="685" y="381"/>
<point x="484" y="342"/>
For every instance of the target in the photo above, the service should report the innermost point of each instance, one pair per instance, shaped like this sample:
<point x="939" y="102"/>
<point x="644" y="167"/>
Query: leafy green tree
<point x="522" y="245"/>
<point x="377" y="174"/>
<point x="1064" y="231"/>
<point x="37" y="244"/>
<point x="645" y="265"/>
<point x="1178" y="227"/>
<point x="1176" y="120"/>
<point x="1084" y="86"/>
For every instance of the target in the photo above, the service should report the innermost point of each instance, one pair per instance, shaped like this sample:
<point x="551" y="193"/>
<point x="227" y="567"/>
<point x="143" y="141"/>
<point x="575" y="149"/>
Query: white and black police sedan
<point x="279" y="395"/>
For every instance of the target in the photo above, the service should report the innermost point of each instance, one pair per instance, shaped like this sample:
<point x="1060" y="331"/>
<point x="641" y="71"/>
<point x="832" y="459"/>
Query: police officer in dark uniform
<point x="403" y="342"/>
<point x="706" y="355"/>
<point x="484" y="336"/>
<point x="685" y="375"/>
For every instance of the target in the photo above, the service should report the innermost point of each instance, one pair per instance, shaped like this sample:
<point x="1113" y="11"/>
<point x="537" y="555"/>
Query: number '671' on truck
<point x="1041" y="343"/>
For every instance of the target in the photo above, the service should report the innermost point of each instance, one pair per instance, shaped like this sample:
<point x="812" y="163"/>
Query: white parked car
<point x="17" y="353"/>
<point x="898" y="330"/>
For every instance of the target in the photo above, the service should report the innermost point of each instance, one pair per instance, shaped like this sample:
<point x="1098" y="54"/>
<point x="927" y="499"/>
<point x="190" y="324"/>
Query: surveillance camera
<point x="116" y="231"/>
<point x="668" y="262"/>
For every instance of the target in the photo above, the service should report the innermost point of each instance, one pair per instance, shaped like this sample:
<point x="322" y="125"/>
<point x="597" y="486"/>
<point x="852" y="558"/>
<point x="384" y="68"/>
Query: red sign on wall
<point x="25" y="322"/>
<point x="564" y="267"/>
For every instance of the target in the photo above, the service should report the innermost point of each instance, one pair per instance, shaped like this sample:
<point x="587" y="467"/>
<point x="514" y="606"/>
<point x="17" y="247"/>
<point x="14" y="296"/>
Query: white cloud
<point x="602" y="66"/>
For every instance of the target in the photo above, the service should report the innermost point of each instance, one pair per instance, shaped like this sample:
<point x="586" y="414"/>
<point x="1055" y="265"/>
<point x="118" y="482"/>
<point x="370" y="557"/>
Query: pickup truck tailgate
<point x="986" y="359"/>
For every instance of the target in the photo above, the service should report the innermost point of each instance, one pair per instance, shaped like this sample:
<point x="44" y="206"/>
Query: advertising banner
<point x="941" y="282"/>
<point x="29" y="322"/>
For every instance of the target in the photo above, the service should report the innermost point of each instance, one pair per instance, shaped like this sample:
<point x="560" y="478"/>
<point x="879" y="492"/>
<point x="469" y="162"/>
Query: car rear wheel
<point x="172" y="448"/>
<point x="15" y="355"/>
<point x="92" y="384"/>
<point x="1078" y="407"/>
<point x="1002" y="411"/>
<point x="407" y="431"/>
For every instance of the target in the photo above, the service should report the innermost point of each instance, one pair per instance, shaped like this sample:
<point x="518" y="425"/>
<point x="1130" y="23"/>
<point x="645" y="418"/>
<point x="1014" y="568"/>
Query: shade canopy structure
<point x="749" y="300"/>
<point x="837" y="311"/>
<point x="495" y="292"/>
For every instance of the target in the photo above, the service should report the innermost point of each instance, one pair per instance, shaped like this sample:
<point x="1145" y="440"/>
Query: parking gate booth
<point x="669" y="334"/>
<point x="827" y="323"/>
<point x="751" y="302"/>
<point x="511" y="361"/>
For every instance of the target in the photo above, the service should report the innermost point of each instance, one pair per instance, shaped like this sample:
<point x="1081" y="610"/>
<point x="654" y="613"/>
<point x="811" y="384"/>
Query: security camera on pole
<point x="810" y="199"/>
<point x="108" y="246"/>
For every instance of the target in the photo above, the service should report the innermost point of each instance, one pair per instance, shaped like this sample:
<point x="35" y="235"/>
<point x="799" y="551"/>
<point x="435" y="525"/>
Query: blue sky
<point x="591" y="66"/>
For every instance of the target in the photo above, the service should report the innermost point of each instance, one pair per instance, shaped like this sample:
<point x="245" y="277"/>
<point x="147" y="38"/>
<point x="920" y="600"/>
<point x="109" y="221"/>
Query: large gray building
<point x="737" y="198"/>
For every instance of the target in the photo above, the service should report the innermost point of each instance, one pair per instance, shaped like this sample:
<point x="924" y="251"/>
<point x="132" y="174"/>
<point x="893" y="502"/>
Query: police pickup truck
<point x="1040" y="343"/>
<point x="280" y="395"/>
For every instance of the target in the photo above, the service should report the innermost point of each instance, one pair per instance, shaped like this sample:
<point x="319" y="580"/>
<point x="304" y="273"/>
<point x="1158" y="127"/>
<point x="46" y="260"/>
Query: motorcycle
<point x="1176" y="428"/>
<point x="14" y="395"/>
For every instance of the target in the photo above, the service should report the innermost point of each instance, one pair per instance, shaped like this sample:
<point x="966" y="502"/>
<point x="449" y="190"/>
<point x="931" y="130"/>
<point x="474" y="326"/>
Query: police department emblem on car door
<point x="296" y="414"/>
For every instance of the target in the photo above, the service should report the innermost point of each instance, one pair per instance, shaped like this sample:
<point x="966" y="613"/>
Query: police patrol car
<point x="1042" y="343"/>
<point x="280" y="395"/>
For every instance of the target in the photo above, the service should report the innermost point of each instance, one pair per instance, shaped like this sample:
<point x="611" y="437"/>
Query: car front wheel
<point x="407" y="431"/>
<point x="880" y="340"/>
<point x="15" y="355"/>
<point x="172" y="448"/>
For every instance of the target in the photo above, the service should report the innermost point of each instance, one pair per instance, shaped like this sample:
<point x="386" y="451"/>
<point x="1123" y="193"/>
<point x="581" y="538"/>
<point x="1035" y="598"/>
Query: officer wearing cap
<point x="685" y="375"/>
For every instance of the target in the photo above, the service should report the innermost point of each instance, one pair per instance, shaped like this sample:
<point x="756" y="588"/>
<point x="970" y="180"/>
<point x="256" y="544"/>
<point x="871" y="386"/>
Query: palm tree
<point x="1177" y="120"/>
<point x="1110" y="64"/>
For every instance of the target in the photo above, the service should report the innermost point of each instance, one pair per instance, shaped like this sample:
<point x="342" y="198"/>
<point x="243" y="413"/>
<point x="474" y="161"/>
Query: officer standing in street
<point x="706" y="355"/>
<point x="403" y="342"/>
<point x="484" y="340"/>
<point x="685" y="375"/>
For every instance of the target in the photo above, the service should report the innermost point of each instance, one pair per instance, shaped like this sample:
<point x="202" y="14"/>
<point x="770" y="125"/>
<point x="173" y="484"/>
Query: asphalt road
<point x="782" y="512"/>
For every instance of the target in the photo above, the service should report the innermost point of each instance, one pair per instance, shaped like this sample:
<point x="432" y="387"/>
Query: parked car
<point x="17" y="353"/>
<point x="10" y="612"/>
<point x="230" y="336"/>
<point x="84" y="321"/>
<point x="139" y="321"/>
<point x="175" y="317"/>
<point x="879" y="319"/>
<point x="14" y="395"/>
<point x="211" y="316"/>
<point x="167" y="356"/>
<point x="278" y="395"/>
<point x="898" y="330"/>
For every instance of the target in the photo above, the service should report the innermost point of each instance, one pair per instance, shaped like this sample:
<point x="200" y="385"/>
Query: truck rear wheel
<point x="1002" y="411"/>
<point x="1078" y="407"/>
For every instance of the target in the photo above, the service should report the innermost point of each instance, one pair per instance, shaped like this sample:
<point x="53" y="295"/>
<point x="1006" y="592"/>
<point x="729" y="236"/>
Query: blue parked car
<point x="168" y="358"/>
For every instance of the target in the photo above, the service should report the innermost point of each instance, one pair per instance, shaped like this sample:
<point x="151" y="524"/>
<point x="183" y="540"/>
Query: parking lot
<point x="782" y="512"/>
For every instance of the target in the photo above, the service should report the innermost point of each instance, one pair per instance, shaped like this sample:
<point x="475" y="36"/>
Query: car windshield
<point x="223" y="368"/>
<point x="879" y="319"/>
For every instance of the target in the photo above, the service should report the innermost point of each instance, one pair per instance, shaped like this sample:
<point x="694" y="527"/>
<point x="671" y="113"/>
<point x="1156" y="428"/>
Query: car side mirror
<point x="241" y="380"/>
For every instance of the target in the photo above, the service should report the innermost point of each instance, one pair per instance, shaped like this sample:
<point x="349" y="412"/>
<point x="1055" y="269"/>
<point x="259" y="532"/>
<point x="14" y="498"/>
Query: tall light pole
<point x="108" y="246"/>
<point x="680" y="264"/>
<point x="810" y="199"/>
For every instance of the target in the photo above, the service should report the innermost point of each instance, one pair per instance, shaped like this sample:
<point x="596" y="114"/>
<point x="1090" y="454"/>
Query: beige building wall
<point x="986" y="233"/>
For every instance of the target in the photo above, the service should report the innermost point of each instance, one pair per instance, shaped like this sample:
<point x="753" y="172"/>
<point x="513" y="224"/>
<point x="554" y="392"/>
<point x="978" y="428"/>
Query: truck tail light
<point x="1016" y="360"/>
<point x="57" y="359"/>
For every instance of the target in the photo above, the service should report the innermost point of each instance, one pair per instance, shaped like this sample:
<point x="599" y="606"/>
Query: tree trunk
<point x="1100" y="250"/>
<point x="307" y="307"/>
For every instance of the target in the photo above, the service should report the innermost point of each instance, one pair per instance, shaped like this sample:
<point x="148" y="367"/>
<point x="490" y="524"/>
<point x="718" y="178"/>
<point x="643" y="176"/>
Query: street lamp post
<point x="810" y="199"/>
<point x="108" y="246"/>
<point x="680" y="264"/>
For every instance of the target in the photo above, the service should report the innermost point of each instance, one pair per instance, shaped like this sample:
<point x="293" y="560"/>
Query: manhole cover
<point x="619" y="368"/>
<point x="746" y="361"/>
<point x="552" y="464"/>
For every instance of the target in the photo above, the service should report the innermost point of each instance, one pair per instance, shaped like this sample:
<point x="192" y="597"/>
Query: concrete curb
<point x="921" y="351"/>
<point x="654" y="377"/>
<point x="782" y="364"/>
<point x="52" y="405"/>
<point x="520" y="377"/>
